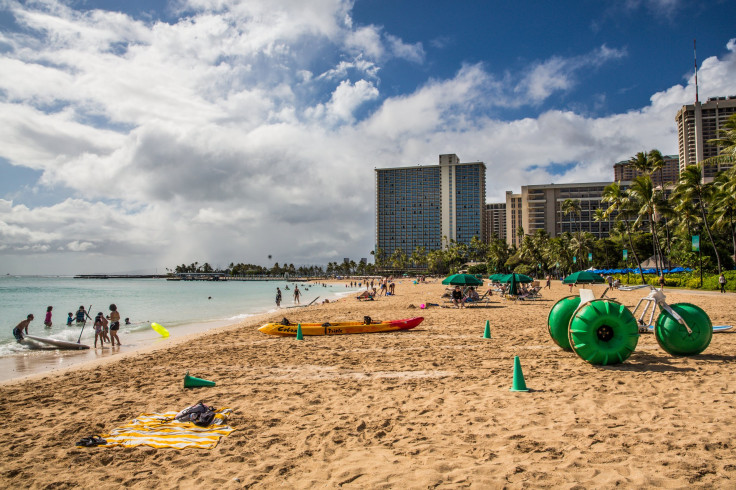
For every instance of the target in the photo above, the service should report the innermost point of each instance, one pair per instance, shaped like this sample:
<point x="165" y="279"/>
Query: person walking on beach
<point x="278" y="298"/>
<point x="114" y="324"/>
<point x="47" y="320"/>
<point x="661" y="282"/>
<point x="297" y="293"/>
<point x="18" y="330"/>
<point x="722" y="282"/>
<point x="549" y="281"/>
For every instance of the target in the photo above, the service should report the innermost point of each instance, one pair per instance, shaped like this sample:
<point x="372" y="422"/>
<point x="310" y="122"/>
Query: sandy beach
<point x="430" y="407"/>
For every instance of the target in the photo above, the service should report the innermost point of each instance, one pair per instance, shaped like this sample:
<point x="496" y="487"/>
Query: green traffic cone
<point x="487" y="332"/>
<point x="519" y="384"/>
<point x="299" y="335"/>
<point x="192" y="382"/>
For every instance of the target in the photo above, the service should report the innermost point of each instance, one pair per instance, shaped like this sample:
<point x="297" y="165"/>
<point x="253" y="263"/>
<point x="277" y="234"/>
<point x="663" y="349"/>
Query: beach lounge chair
<point x="532" y="295"/>
<point x="483" y="300"/>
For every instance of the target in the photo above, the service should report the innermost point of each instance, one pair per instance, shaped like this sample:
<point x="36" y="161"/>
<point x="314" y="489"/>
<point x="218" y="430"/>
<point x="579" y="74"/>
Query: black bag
<point x="199" y="414"/>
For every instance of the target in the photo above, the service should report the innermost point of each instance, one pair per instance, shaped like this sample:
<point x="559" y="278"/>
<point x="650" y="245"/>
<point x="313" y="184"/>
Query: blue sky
<point x="219" y="131"/>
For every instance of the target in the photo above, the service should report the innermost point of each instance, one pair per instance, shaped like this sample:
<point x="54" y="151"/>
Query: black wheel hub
<point x="605" y="333"/>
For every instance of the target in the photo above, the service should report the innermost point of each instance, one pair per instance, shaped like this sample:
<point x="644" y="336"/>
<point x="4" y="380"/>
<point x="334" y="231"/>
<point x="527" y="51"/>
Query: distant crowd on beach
<point x="106" y="326"/>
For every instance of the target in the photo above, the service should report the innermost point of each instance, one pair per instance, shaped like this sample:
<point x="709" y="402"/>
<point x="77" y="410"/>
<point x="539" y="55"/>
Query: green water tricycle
<point x="603" y="331"/>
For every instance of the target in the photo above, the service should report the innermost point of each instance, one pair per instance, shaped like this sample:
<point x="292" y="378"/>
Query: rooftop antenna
<point x="695" y="57"/>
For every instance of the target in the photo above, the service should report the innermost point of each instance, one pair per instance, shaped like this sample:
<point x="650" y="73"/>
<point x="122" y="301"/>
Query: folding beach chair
<point x="483" y="300"/>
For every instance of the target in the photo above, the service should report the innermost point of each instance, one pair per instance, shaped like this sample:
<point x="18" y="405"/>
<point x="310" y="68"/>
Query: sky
<point x="139" y="135"/>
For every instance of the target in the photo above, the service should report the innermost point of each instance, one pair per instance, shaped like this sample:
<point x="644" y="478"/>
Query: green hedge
<point x="688" y="280"/>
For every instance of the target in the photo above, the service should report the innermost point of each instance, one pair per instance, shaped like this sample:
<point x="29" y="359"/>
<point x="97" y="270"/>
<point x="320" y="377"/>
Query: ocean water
<point x="174" y="304"/>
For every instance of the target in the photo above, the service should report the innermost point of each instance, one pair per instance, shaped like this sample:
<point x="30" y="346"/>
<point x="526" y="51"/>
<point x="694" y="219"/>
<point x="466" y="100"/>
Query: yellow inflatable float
<point x="160" y="330"/>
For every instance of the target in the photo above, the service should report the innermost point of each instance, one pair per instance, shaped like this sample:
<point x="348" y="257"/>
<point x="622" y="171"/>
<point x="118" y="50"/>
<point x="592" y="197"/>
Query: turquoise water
<point x="173" y="304"/>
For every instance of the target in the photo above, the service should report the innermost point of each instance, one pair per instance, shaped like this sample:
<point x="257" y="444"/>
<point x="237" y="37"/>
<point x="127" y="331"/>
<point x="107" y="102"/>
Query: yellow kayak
<point x="340" y="328"/>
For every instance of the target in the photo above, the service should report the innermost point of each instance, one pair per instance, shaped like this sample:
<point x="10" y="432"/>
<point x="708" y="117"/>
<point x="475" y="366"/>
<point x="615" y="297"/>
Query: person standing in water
<point x="82" y="315"/>
<point x="297" y="293"/>
<point x="100" y="322"/>
<point x="18" y="330"/>
<point x="278" y="298"/>
<point x="114" y="325"/>
<point x="47" y="320"/>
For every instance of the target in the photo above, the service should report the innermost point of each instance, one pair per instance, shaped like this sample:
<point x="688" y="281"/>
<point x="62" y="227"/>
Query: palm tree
<point x="641" y="162"/>
<point x="582" y="244"/>
<point x="379" y="256"/>
<point x="599" y="215"/>
<point x="571" y="207"/>
<point x="727" y="141"/>
<point x="656" y="162"/>
<point x="498" y="253"/>
<point x="646" y="198"/>
<point x="691" y="188"/>
<point x="419" y="257"/>
<point x="559" y="251"/>
<point x="724" y="207"/>
<point x="619" y="203"/>
<point x="477" y="249"/>
<point x="688" y="217"/>
<point x="399" y="259"/>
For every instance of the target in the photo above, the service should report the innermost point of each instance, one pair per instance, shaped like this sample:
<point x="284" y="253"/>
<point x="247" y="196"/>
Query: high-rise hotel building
<point x="696" y="124"/>
<point x="495" y="221"/>
<point x="539" y="207"/>
<point x="624" y="171"/>
<point x="424" y="205"/>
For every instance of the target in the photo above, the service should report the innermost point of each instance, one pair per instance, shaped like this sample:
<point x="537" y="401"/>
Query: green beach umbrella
<point x="462" y="280"/>
<point x="516" y="278"/>
<point x="496" y="277"/>
<point x="583" y="277"/>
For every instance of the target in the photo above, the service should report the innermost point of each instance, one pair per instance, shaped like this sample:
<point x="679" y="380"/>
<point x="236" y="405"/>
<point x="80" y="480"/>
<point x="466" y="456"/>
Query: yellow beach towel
<point x="161" y="430"/>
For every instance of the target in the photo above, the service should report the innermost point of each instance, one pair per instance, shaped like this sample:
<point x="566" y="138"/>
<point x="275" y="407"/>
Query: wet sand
<point x="424" y="408"/>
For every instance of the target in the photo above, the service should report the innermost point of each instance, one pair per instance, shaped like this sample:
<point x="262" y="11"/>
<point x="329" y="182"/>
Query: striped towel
<point x="160" y="430"/>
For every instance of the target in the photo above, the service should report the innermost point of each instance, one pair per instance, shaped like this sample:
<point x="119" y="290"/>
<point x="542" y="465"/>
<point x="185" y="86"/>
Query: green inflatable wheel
<point x="673" y="337"/>
<point x="603" y="332"/>
<point x="559" y="318"/>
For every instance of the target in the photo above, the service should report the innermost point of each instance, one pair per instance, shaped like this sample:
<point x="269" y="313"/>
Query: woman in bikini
<point x="114" y="324"/>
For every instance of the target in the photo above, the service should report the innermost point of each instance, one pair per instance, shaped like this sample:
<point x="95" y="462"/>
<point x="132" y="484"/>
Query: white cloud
<point x="366" y="41"/>
<point x="214" y="137"/>
<point x="411" y="52"/>
<point x="560" y="74"/>
<point x="348" y="97"/>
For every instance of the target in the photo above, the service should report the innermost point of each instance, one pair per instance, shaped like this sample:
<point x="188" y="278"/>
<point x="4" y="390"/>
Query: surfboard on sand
<point x="58" y="344"/>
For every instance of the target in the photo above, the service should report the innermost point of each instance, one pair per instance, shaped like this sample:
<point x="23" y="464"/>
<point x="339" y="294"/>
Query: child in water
<point x="47" y="321"/>
<point x="69" y="319"/>
<point x="100" y="324"/>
